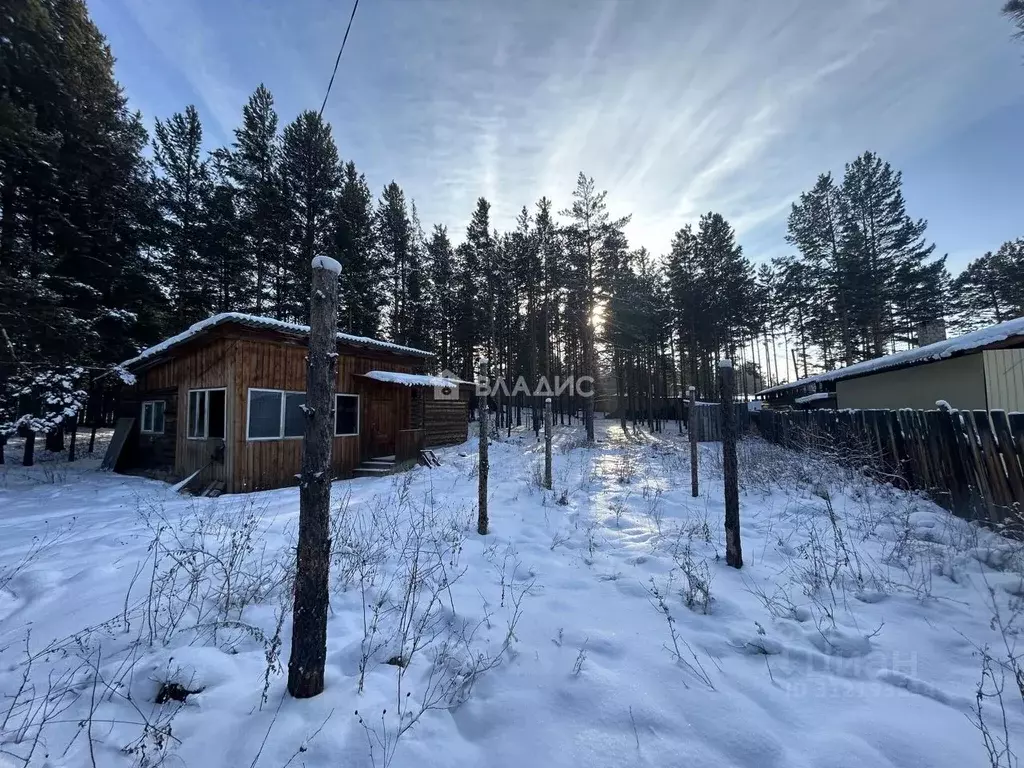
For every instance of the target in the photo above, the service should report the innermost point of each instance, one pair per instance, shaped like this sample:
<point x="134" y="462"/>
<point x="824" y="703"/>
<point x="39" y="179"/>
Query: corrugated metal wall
<point x="1004" y="379"/>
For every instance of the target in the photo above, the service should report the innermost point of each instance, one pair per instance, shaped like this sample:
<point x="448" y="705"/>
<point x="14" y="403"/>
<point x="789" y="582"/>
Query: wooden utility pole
<point x="692" y="433"/>
<point x="547" y="443"/>
<point x="312" y="572"/>
<point x="733" y="551"/>
<point x="481" y="498"/>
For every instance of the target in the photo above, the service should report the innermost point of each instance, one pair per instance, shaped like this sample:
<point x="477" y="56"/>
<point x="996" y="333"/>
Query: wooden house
<point x="221" y="404"/>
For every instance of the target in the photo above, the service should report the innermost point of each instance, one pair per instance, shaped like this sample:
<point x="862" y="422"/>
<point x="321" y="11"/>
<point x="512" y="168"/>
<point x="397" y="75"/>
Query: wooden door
<point x="379" y="435"/>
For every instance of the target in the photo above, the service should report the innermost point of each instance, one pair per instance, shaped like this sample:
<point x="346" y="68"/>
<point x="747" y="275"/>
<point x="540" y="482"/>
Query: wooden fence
<point x="706" y="420"/>
<point x="970" y="462"/>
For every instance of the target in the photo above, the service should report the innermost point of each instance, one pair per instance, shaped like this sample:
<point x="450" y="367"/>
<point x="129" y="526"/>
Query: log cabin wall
<point x="238" y="360"/>
<point x="280" y="363"/>
<point x="205" y="365"/>
<point x="445" y="422"/>
<point x="150" y="451"/>
<point x="200" y="367"/>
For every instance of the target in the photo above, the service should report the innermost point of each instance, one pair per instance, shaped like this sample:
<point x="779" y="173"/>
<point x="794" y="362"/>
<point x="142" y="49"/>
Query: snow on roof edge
<point x="813" y="397"/>
<point x="928" y="353"/>
<point x="254" y="321"/>
<point x="414" y="379"/>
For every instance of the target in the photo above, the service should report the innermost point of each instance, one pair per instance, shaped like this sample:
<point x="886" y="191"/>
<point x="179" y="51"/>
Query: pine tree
<point x="183" y="194"/>
<point x="1009" y="263"/>
<point x="309" y="173"/>
<point x="889" y="254"/>
<point x="726" y="276"/>
<point x="865" y="279"/>
<point x="254" y="167"/>
<point x="1015" y="10"/>
<point x="76" y="211"/>
<point x="223" y="248"/>
<point x="799" y="296"/>
<point x="419" y="290"/>
<point x="587" y="235"/>
<point x="991" y="288"/>
<point x="394" y="239"/>
<point x="363" y="294"/>
<point x="686" y="299"/>
<point x="552" y="268"/>
<point x="441" y="258"/>
<point x="468" y="288"/>
<point x="711" y="289"/>
<point x="527" y="270"/>
<point x="473" y="311"/>
<point x="816" y="229"/>
<point x="480" y="239"/>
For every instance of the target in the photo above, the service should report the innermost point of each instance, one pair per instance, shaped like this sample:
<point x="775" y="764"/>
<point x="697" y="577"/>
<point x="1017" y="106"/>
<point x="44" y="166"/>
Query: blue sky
<point x="676" y="107"/>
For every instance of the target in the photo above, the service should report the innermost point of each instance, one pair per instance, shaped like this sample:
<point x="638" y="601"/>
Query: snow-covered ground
<point x="596" y="625"/>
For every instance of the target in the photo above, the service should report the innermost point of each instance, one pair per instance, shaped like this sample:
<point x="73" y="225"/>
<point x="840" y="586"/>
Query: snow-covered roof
<point x="940" y="350"/>
<point x="814" y="397"/>
<point x="263" y="323"/>
<point x="414" y="379"/>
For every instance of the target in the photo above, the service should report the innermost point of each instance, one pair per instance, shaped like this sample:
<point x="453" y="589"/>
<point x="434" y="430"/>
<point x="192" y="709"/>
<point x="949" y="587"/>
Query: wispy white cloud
<point x="677" y="107"/>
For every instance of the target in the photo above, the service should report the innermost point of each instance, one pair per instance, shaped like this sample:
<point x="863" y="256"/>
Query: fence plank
<point x="971" y="469"/>
<point x="1007" y="449"/>
<point x="974" y="445"/>
<point x="972" y="463"/>
<point x="959" y="487"/>
<point x="1002" y="495"/>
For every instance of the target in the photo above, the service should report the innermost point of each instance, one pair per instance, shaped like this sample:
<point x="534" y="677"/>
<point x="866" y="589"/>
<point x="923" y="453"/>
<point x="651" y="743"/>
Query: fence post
<point x="733" y="550"/>
<point x="313" y="556"/>
<point x="483" y="466"/>
<point x="29" y="457"/>
<point x="691" y="428"/>
<point x="547" y="443"/>
<point x="73" y="429"/>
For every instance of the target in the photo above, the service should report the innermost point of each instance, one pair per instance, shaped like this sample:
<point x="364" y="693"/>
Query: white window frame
<point x="206" y="413"/>
<point x="280" y="419"/>
<point x="359" y="414"/>
<point x="142" y="421"/>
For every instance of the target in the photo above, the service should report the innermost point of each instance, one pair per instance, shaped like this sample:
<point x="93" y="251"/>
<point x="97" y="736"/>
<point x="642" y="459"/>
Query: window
<point x="153" y="417"/>
<point x="346" y="415"/>
<point x="275" y="414"/>
<point x="294" y="414"/>
<point x="207" y="414"/>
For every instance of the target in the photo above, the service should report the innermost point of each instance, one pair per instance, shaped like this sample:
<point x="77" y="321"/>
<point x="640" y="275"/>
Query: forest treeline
<point x="112" y="238"/>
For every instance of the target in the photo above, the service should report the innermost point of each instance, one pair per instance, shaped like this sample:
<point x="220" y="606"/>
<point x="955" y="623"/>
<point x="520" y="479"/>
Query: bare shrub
<point x="206" y="568"/>
<point x="42" y="543"/>
<point x="572" y="441"/>
<point x="457" y="659"/>
<point x="658" y="597"/>
<point x="581" y="658"/>
<point x="696" y="591"/>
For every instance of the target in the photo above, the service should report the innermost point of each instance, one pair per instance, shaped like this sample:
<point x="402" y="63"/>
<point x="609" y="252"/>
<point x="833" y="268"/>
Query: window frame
<point x="163" y="418"/>
<point x="205" y="391"/>
<point x="359" y="414"/>
<point x="280" y="417"/>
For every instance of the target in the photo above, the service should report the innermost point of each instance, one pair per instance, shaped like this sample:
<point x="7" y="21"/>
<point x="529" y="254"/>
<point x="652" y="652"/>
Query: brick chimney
<point x="931" y="332"/>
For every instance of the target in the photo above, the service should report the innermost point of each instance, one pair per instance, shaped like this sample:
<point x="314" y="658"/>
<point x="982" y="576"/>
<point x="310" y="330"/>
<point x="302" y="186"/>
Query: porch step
<point x="375" y="467"/>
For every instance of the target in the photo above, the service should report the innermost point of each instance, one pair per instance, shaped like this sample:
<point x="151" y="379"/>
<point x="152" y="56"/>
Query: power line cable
<point x="338" y="60"/>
